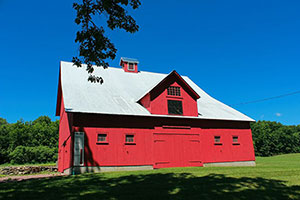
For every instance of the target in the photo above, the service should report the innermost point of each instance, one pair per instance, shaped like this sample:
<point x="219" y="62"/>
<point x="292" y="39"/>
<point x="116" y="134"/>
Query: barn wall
<point x="187" y="142"/>
<point x="115" y="152"/>
<point x="65" y="145"/>
<point x="227" y="150"/>
<point x="145" y="101"/>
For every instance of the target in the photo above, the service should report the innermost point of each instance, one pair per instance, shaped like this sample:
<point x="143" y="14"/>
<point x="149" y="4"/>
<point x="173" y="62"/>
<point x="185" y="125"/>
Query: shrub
<point x="273" y="138"/>
<point x="38" y="154"/>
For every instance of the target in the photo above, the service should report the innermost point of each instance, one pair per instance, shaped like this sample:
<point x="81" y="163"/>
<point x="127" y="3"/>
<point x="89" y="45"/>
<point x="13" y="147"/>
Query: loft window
<point x="102" y="138"/>
<point x="174" y="91"/>
<point x="235" y="139"/>
<point x="130" y="66"/>
<point x="217" y="139"/>
<point x="129" y="139"/>
<point x="175" y="107"/>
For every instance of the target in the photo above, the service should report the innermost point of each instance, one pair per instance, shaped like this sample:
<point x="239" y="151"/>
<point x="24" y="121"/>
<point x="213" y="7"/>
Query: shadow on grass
<point x="151" y="186"/>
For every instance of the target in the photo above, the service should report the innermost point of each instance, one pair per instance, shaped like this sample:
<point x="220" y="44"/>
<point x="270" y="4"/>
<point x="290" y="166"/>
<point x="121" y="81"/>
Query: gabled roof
<point x="132" y="60"/>
<point x="120" y="92"/>
<point x="177" y="77"/>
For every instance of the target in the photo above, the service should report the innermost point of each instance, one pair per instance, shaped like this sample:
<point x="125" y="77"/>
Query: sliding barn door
<point x="176" y="150"/>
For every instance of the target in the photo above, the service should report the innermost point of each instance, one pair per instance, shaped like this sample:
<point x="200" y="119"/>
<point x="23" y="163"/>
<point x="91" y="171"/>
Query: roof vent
<point x="129" y="64"/>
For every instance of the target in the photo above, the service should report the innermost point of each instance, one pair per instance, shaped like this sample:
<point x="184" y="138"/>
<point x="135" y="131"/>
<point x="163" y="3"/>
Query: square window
<point x="235" y="139"/>
<point x="102" y="138"/>
<point x="217" y="139"/>
<point x="131" y="66"/>
<point x="174" y="91"/>
<point x="175" y="107"/>
<point x="129" y="139"/>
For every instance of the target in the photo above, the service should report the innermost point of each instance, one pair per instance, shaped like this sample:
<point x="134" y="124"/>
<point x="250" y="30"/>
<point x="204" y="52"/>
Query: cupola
<point x="129" y="64"/>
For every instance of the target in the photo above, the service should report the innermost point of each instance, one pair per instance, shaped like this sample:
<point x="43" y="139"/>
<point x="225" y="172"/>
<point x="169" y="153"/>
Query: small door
<point x="78" y="148"/>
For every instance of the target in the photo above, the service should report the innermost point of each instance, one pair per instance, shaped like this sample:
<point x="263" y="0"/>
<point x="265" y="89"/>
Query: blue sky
<point x="237" y="51"/>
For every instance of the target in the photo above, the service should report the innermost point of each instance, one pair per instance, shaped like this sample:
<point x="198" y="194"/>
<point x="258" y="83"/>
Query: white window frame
<point x="129" y="69"/>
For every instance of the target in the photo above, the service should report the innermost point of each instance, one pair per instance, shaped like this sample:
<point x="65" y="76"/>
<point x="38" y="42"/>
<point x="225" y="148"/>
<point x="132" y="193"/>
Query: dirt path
<point x="27" y="177"/>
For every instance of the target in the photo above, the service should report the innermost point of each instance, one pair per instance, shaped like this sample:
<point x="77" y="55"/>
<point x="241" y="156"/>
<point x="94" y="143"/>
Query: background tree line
<point x="273" y="138"/>
<point x="37" y="141"/>
<point x="29" y="142"/>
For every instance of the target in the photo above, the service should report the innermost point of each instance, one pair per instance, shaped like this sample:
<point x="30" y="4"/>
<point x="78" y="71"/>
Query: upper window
<point x="130" y="66"/>
<point x="174" y="91"/>
<point x="175" y="107"/>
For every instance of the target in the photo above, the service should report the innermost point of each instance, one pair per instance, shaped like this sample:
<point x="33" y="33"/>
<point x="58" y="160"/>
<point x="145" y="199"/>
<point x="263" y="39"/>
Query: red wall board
<point x="227" y="150"/>
<point x="116" y="152"/>
<point x="65" y="145"/>
<point x="159" y="104"/>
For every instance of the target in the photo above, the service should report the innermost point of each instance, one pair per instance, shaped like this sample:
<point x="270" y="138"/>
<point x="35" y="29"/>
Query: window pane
<point x="174" y="91"/>
<point x="129" y="138"/>
<point x="175" y="107"/>
<point x="235" y="138"/>
<point x="217" y="138"/>
<point x="102" y="137"/>
<point x="131" y="66"/>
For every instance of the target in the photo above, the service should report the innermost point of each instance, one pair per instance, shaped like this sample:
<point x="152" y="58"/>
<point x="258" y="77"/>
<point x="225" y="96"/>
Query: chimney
<point x="129" y="64"/>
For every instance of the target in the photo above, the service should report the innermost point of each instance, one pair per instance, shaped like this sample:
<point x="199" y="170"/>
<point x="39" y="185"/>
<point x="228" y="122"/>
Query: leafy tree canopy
<point x="94" y="46"/>
<point x="2" y="121"/>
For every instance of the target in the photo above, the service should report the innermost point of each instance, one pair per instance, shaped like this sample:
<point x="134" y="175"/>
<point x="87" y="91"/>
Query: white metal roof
<point x="121" y="90"/>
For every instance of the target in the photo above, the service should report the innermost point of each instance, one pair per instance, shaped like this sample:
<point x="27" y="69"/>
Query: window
<point x="174" y="91"/>
<point x="129" y="139"/>
<point x="235" y="139"/>
<point x="102" y="138"/>
<point x="131" y="66"/>
<point x="175" y="107"/>
<point x="217" y="139"/>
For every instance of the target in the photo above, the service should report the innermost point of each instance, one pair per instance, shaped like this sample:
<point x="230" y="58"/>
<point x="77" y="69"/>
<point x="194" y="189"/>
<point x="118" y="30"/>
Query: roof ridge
<point x="119" y="68"/>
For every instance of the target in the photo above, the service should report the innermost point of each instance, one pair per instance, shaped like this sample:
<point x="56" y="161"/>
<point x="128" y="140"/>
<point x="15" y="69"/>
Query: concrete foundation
<point x="83" y="169"/>
<point x="230" y="164"/>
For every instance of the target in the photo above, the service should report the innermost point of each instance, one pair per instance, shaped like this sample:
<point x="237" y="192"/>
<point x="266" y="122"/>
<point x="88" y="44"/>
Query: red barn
<point x="144" y="120"/>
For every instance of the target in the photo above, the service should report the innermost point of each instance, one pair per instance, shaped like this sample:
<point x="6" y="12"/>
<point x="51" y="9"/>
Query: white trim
<point x="132" y="70"/>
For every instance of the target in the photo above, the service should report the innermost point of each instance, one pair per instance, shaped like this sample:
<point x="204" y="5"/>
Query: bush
<point x="38" y="154"/>
<point x="40" y="138"/>
<point x="273" y="138"/>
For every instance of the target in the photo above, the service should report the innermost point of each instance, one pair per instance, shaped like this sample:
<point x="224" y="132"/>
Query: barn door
<point x="176" y="150"/>
<point x="78" y="148"/>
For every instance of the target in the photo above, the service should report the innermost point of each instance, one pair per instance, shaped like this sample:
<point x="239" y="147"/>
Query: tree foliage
<point x="29" y="142"/>
<point x="273" y="138"/>
<point x="94" y="46"/>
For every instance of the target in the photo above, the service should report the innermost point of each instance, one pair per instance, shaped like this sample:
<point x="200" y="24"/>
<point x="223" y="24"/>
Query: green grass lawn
<point x="275" y="177"/>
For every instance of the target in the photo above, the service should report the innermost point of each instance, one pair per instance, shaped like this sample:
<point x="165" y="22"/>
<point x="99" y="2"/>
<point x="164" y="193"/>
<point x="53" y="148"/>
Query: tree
<point x="94" y="46"/>
<point x="2" y="121"/>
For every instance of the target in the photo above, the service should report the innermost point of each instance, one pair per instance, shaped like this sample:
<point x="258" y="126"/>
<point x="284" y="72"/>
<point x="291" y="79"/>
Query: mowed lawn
<point x="275" y="177"/>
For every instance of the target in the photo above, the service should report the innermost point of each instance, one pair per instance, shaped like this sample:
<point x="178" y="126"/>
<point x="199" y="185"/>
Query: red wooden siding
<point x="116" y="152"/>
<point x="226" y="150"/>
<point x="159" y="103"/>
<point x="161" y="142"/>
<point x="65" y="145"/>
